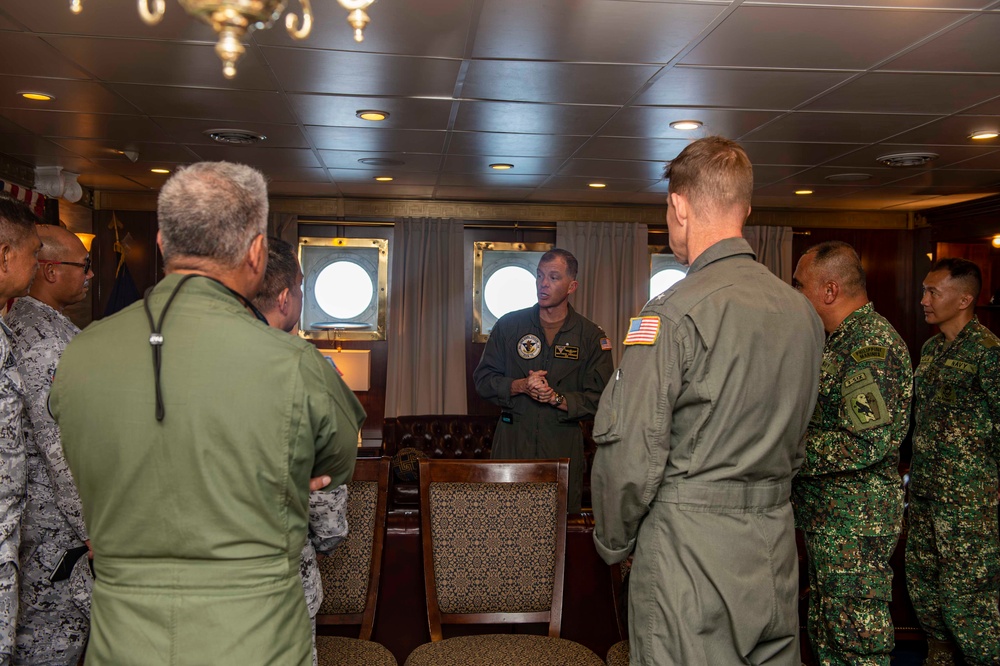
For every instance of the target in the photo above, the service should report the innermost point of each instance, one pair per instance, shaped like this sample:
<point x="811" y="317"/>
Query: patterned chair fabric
<point x="503" y="650"/>
<point x="345" y="573"/>
<point x="494" y="546"/>
<point x="618" y="654"/>
<point x="339" y="651"/>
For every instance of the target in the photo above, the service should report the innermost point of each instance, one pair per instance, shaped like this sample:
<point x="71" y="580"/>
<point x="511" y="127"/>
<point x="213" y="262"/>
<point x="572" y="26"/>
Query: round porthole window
<point x="344" y="290"/>
<point x="509" y="288"/>
<point x="664" y="280"/>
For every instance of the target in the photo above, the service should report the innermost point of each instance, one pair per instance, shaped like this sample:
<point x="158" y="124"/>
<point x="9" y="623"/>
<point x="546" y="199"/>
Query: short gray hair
<point x="212" y="210"/>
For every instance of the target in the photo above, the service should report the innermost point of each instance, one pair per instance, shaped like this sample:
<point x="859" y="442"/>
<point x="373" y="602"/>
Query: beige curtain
<point x="426" y="365"/>
<point x="613" y="275"/>
<point x="285" y="226"/>
<point x="773" y="246"/>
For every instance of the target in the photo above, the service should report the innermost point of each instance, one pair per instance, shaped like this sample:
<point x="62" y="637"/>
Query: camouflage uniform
<point x="848" y="496"/>
<point x="952" y="552"/>
<point x="327" y="528"/>
<point x="12" y="480"/>
<point x="52" y="627"/>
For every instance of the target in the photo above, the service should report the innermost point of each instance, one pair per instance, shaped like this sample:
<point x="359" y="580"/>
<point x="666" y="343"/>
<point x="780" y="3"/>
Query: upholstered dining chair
<point x="351" y="574"/>
<point x="618" y="654"/>
<point x="494" y="545"/>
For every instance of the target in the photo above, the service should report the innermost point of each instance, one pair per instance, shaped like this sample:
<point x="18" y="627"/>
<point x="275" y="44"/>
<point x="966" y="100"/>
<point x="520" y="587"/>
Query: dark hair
<point x="713" y="173"/>
<point x="282" y="269"/>
<point x="17" y="222"/>
<point x="963" y="270"/>
<point x="841" y="260"/>
<point x="572" y="266"/>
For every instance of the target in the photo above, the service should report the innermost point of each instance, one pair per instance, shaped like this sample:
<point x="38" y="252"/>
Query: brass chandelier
<point x="233" y="19"/>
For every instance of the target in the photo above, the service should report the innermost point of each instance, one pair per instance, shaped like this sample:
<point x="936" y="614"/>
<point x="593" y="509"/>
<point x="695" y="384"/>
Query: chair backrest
<point x="351" y="574"/>
<point x="494" y="541"/>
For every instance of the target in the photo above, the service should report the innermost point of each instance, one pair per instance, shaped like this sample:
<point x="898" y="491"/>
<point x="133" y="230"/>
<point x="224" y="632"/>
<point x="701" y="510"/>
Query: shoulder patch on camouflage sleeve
<point x="864" y="403"/>
<point x="829" y="367"/>
<point x="870" y="352"/>
<point x="989" y="341"/>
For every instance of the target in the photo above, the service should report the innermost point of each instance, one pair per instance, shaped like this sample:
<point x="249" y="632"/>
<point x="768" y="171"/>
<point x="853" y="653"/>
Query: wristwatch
<point x="560" y="399"/>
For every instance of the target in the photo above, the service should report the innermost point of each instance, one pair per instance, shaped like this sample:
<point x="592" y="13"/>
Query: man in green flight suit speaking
<point x="192" y="429"/>
<point x="848" y="495"/>
<point x="546" y="366"/>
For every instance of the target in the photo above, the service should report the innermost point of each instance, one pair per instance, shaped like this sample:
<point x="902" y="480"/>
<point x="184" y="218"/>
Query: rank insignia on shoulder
<point x="869" y="353"/>
<point x="606" y="344"/>
<point x="643" y="331"/>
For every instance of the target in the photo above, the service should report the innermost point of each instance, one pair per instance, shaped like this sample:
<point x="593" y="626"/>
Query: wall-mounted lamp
<point x="86" y="239"/>
<point x="52" y="181"/>
<point x="996" y="241"/>
<point x="354" y="366"/>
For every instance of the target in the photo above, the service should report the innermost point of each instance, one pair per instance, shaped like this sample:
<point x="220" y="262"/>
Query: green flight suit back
<point x="198" y="522"/>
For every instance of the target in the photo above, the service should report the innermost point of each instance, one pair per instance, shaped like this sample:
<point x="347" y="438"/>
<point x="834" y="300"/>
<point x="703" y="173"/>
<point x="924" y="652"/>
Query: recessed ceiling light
<point x="383" y="179"/>
<point x="906" y="159"/>
<point x="848" y="177"/>
<point x="36" y="96"/>
<point x="372" y="114"/>
<point x="803" y="191"/>
<point x="597" y="186"/>
<point x="160" y="170"/>
<point x="501" y="166"/>
<point x="686" y="125"/>
<point x="984" y="135"/>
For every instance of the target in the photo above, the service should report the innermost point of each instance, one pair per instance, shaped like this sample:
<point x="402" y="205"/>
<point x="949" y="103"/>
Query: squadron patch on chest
<point x="868" y="353"/>
<point x="567" y="351"/>
<point x="529" y="346"/>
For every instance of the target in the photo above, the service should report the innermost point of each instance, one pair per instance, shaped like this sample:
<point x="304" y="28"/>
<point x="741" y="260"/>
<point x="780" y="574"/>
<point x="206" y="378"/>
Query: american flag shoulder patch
<point x="643" y="331"/>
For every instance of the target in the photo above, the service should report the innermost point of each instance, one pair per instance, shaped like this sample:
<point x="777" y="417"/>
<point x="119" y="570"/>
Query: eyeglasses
<point x="85" y="265"/>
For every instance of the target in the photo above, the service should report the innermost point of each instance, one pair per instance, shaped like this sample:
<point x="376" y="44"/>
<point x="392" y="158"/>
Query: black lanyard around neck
<point x="156" y="329"/>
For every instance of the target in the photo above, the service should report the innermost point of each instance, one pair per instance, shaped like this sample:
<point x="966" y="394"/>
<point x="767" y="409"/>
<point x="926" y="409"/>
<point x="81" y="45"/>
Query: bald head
<point x="63" y="268"/>
<point x="831" y="277"/>
<point x="58" y="243"/>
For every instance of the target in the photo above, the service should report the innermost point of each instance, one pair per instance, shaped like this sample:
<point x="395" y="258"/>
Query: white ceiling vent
<point x="234" y="137"/>
<point x="907" y="159"/>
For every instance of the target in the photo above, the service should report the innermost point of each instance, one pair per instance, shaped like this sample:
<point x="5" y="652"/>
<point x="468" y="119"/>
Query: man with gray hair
<point x="19" y="246"/>
<point x="192" y="429"/>
<point x="700" y="433"/>
<point x="848" y="496"/>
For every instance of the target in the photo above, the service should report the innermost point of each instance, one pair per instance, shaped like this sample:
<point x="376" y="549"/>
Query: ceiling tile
<point x="589" y="30"/>
<point x="387" y="190"/>
<point x="593" y="196"/>
<point x="368" y="176"/>
<point x="298" y="174"/>
<point x="971" y="47"/>
<point x="619" y="148"/>
<point x="965" y="181"/>
<point x="278" y="188"/>
<point x="655" y="121"/>
<point x="611" y="184"/>
<point x="613" y="169"/>
<point x="106" y="149"/>
<point x="67" y="162"/>
<point x="349" y="159"/>
<point x="991" y="108"/>
<point x="404" y="27"/>
<point x="809" y="37"/>
<point x="806" y="154"/>
<point x="531" y="118"/>
<point x="308" y="70"/>
<point x="138" y="170"/>
<point x="495" y="181"/>
<point x="786" y="189"/>
<point x="110" y="19"/>
<point x="226" y="105"/>
<point x="881" y="92"/>
<point x="377" y="140"/>
<point x="492" y="143"/>
<point x="268" y="160"/>
<point x="954" y="130"/>
<point x="190" y="131"/>
<point x="336" y="110"/>
<point x="26" y="55"/>
<point x="867" y="157"/>
<point x="481" y="164"/>
<point x="764" y="174"/>
<point x="740" y="88"/>
<point x="70" y="95"/>
<point x="524" y="81"/>
<point x="109" y="182"/>
<point x="194" y="65"/>
<point x="86" y="125"/>
<point x="982" y="160"/>
<point x="29" y="144"/>
<point x="836" y="127"/>
<point x="819" y="176"/>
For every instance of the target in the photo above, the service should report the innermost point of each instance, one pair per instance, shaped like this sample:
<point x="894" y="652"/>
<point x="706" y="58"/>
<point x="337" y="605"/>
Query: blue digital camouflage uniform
<point x="53" y="626"/>
<point x="12" y="480"/>
<point x="848" y="496"/>
<point x="327" y="528"/>
<point x="952" y="551"/>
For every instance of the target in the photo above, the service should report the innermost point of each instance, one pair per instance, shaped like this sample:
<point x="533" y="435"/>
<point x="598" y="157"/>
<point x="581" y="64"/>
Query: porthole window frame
<point x="661" y="258"/>
<point x="488" y="257"/>
<point x="371" y="254"/>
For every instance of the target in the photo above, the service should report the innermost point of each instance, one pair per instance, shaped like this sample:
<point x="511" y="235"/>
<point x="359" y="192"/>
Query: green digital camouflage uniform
<point x="848" y="496"/>
<point x="952" y="552"/>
